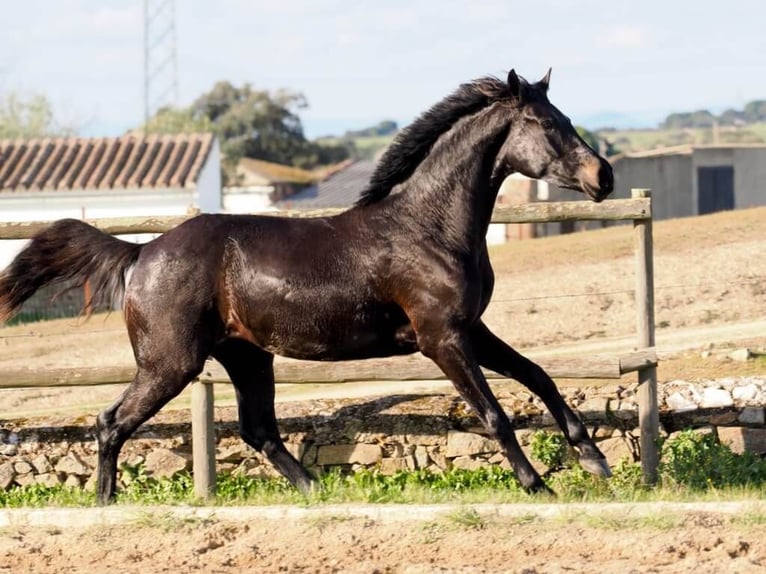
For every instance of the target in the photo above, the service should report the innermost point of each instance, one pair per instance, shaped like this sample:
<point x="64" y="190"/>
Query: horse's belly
<point x="321" y="336"/>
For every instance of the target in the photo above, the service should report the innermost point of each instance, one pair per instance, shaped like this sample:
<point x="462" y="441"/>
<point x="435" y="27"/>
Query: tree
<point x="250" y="123"/>
<point x="755" y="111"/>
<point x="254" y="123"/>
<point x="169" y="120"/>
<point x="732" y="117"/>
<point x="28" y="118"/>
<point x="588" y="137"/>
<point x="698" y="119"/>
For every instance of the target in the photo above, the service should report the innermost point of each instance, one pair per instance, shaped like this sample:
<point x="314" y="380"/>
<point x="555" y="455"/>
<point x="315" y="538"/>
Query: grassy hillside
<point x="636" y="140"/>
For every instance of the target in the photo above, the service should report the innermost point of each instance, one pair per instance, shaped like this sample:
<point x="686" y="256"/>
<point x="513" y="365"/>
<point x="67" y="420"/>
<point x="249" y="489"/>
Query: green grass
<point x="694" y="468"/>
<point x="638" y="140"/>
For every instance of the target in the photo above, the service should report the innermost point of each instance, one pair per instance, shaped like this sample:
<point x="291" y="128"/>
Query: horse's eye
<point x="547" y="124"/>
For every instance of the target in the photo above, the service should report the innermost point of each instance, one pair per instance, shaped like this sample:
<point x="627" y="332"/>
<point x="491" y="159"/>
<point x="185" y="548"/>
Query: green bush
<point x="549" y="448"/>
<point x="698" y="461"/>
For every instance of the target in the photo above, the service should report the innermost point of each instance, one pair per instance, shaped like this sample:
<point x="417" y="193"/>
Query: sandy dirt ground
<point x="460" y="541"/>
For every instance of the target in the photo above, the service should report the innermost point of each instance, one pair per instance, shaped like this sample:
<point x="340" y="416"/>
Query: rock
<point x="9" y="450"/>
<point x="467" y="463"/>
<point x="615" y="449"/>
<point x="41" y="464"/>
<point x="71" y="464"/>
<point x="422" y="459"/>
<point x="725" y="418"/>
<point x="49" y="479"/>
<point x="745" y="393"/>
<point x="348" y="454"/>
<point x="234" y="453"/>
<point x="310" y="455"/>
<point x="22" y="467"/>
<point x="679" y="403"/>
<point x="7" y="475"/>
<point x="713" y="398"/>
<point x="437" y="456"/>
<point x="296" y="449"/>
<point x="91" y="483"/>
<point x="741" y="439"/>
<point x="753" y="416"/>
<point x="73" y="481"/>
<point x="164" y="463"/>
<point x="24" y="479"/>
<point x="467" y="444"/>
<point x="389" y="466"/>
<point x="594" y="408"/>
<point x="741" y="355"/>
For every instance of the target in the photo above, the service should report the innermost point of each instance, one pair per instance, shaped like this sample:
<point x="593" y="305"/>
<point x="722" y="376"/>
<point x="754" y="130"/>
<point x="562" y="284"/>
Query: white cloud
<point x="627" y="38"/>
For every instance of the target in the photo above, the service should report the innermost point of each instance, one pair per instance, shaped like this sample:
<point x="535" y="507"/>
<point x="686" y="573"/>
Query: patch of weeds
<point x="432" y="532"/>
<point x="38" y="495"/>
<point x="548" y="448"/>
<point x="167" y="521"/>
<point x="699" y="462"/>
<point x="466" y="518"/>
<point x="140" y="488"/>
<point x="322" y="521"/>
<point x="662" y="522"/>
<point x="749" y="519"/>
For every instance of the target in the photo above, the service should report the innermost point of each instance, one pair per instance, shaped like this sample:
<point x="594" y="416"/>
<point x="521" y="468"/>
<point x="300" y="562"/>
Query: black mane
<point x="413" y="144"/>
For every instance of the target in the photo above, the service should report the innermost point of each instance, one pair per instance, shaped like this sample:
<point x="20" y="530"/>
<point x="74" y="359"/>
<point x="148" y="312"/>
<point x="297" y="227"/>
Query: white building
<point x="86" y="178"/>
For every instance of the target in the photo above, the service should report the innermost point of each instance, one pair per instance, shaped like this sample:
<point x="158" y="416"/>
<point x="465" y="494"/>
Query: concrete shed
<point x="694" y="180"/>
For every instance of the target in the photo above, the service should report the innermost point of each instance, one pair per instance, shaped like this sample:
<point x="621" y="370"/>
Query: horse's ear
<point x="514" y="84"/>
<point x="546" y="81"/>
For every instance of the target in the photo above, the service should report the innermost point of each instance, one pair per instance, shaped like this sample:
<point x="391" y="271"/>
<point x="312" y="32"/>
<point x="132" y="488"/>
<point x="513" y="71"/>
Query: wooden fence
<point x="643" y="361"/>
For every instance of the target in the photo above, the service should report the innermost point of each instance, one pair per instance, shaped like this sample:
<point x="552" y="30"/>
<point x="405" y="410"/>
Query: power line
<point x="160" y="56"/>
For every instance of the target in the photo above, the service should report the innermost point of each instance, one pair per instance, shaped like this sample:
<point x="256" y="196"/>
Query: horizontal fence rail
<point x="413" y="368"/>
<point x="555" y="211"/>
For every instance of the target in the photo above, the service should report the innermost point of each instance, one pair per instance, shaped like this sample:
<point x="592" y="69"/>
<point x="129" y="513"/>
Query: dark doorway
<point x="716" y="189"/>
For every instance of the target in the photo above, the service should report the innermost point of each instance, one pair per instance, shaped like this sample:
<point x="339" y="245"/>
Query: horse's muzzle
<point x="604" y="185"/>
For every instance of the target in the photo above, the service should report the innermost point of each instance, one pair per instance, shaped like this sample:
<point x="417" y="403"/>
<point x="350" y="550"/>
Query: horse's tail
<point x="68" y="250"/>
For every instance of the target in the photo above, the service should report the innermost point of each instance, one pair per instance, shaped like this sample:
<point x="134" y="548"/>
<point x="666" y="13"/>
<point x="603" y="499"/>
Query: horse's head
<point x="543" y="144"/>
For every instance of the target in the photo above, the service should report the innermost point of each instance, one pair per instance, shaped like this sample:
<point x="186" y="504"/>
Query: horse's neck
<point x="453" y="191"/>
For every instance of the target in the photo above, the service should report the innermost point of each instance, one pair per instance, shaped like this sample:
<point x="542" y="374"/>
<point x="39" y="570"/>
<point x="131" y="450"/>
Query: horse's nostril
<point x="605" y="178"/>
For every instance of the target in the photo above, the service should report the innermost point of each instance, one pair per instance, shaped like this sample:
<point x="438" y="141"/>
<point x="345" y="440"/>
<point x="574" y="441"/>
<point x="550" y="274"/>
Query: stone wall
<point x="389" y="433"/>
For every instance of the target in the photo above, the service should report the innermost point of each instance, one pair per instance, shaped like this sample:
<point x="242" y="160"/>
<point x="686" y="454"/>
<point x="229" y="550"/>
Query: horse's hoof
<point x="597" y="466"/>
<point x="540" y="488"/>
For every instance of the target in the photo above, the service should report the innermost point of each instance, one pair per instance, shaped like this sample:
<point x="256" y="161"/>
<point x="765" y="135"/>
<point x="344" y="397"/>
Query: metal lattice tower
<point x="160" y="62"/>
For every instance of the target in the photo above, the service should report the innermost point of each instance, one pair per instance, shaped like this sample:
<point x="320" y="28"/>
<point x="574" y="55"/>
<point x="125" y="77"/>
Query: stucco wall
<point x="669" y="177"/>
<point x="749" y="177"/>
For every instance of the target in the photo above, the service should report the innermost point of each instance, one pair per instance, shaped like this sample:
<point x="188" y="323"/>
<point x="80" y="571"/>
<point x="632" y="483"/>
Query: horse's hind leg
<point x="251" y="370"/>
<point x="167" y="362"/>
<point x="495" y="354"/>
<point x="150" y="390"/>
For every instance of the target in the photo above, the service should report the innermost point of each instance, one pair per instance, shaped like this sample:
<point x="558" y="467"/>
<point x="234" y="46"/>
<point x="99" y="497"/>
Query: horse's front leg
<point x="453" y="352"/>
<point x="496" y="355"/>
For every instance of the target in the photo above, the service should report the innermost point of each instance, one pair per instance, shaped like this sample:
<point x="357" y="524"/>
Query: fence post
<point x="203" y="439"/>
<point x="648" y="409"/>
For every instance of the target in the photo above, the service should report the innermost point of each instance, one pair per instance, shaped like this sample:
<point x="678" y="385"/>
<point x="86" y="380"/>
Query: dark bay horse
<point x="405" y="270"/>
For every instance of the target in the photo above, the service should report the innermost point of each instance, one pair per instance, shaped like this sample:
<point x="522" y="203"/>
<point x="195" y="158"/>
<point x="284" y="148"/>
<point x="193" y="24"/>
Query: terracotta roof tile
<point x="131" y="161"/>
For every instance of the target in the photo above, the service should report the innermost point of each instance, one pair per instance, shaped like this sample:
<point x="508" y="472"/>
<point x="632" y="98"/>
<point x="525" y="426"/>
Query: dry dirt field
<point x="459" y="541"/>
<point x="709" y="271"/>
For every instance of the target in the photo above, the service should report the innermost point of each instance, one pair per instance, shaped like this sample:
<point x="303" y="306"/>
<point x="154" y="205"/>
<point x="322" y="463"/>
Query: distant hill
<point x="645" y="139"/>
<point x="365" y="143"/>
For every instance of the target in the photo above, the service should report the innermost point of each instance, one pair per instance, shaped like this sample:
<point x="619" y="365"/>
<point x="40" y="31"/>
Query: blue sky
<point x="360" y="61"/>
